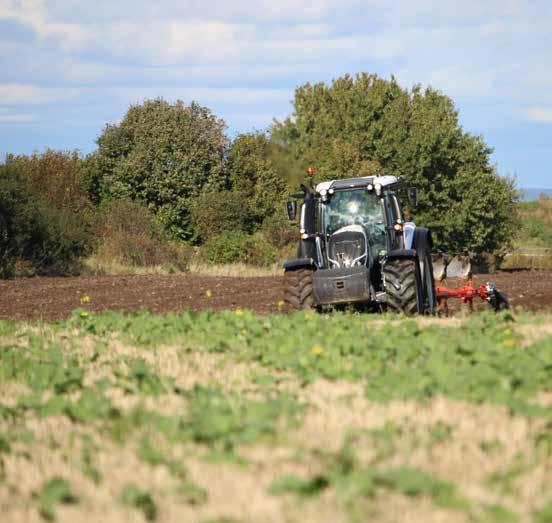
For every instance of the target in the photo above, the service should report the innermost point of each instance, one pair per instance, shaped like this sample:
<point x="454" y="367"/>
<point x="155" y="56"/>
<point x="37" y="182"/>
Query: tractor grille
<point x="347" y="249"/>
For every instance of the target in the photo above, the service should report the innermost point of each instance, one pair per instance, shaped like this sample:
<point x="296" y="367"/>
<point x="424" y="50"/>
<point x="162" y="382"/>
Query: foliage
<point x="224" y="421"/>
<point x="131" y="386"/>
<point x="352" y="482"/>
<point x="279" y="231"/>
<point x="232" y="247"/>
<point x="214" y="213"/>
<point x="256" y="190"/>
<point x="142" y="500"/>
<point x="56" y="177"/>
<point x="253" y="174"/>
<point x="536" y="223"/>
<point x="367" y="125"/>
<point x="477" y="362"/>
<point x="164" y="155"/>
<point x="545" y="514"/>
<point x="44" y="212"/>
<point x="130" y="234"/>
<point x="54" y="491"/>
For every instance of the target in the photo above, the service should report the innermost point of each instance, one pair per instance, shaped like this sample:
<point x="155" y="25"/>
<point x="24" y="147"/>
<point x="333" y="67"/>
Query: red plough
<point x="460" y="267"/>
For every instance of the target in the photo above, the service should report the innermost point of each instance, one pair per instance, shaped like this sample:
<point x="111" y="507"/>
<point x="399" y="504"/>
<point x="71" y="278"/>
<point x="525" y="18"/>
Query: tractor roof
<point x="355" y="183"/>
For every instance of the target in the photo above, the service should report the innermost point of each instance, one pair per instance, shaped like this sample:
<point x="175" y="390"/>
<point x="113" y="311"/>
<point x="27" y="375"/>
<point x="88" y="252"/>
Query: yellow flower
<point x="208" y="293"/>
<point x="85" y="299"/>
<point x="281" y="303"/>
<point x="317" y="350"/>
<point x="509" y="342"/>
<point x="84" y="314"/>
<point x="239" y="312"/>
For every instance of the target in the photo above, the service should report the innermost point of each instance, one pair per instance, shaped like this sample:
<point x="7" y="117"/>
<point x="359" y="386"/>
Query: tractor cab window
<point x="356" y="208"/>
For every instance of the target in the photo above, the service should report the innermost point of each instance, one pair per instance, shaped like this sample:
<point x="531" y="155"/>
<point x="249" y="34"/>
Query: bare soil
<point x="55" y="298"/>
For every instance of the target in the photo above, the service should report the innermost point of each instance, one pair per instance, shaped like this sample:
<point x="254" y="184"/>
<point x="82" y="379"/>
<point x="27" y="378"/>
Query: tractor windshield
<point x="356" y="207"/>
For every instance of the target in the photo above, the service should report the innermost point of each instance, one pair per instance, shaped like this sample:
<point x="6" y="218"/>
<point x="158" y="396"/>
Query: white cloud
<point x="206" y="95"/>
<point x="539" y="114"/>
<point x="12" y="94"/>
<point x="32" y="14"/>
<point x="17" y="118"/>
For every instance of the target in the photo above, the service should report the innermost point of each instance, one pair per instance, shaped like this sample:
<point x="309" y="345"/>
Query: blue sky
<point x="68" y="67"/>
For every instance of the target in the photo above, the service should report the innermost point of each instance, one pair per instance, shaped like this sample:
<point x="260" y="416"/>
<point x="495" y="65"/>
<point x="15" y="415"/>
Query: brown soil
<point x="55" y="298"/>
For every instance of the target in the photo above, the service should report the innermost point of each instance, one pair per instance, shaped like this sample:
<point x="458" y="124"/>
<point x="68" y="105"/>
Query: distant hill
<point x="532" y="193"/>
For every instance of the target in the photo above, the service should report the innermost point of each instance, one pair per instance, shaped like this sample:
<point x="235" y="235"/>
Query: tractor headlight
<point x="378" y="188"/>
<point x="369" y="187"/>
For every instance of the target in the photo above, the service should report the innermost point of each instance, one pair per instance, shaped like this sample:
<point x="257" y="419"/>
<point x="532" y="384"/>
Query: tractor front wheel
<point x="403" y="286"/>
<point x="298" y="292"/>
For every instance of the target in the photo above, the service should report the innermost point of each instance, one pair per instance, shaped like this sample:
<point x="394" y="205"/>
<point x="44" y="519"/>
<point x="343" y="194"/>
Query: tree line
<point x="167" y="179"/>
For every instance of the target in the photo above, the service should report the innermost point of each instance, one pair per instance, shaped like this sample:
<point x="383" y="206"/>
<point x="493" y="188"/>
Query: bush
<point x="216" y="212"/>
<point x="18" y="216"/>
<point x="164" y="155"/>
<point x="236" y="247"/>
<point x="536" y="223"/>
<point x="279" y="231"/>
<point x="129" y="234"/>
<point x="39" y="228"/>
<point x="59" y="242"/>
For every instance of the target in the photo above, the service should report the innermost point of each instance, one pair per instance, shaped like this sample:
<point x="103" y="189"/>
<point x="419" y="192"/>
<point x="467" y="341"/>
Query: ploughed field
<point x="55" y="298"/>
<point x="237" y="417"/>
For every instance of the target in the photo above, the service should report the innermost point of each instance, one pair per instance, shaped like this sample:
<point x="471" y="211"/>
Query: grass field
<point x="233" y="417"/>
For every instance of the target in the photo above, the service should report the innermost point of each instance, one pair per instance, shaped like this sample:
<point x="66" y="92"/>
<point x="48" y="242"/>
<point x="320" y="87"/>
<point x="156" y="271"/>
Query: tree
<point x="256" y="190"/>
<point x="367" y="125"/>
<point x="253" y="174"/>
<point x="163" y="155"/>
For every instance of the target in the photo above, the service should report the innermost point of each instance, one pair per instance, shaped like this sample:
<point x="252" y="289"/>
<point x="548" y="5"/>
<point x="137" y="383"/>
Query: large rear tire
<point x="404" y="286"/>
<point x="298" y="291"/>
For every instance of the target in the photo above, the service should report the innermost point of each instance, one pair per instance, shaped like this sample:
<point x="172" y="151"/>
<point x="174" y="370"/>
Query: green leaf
<point x="141" y="500"/>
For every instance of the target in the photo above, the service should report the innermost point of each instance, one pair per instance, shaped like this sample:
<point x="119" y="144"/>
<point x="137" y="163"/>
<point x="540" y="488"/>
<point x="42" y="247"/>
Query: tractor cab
<point x="353" y="225"/>
<point x="350" y="231"/>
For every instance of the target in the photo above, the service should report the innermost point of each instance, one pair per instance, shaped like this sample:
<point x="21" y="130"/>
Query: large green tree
<point x="164" y="155"/>
<point x="365" y="125"/>
<point x="255" y="192"/>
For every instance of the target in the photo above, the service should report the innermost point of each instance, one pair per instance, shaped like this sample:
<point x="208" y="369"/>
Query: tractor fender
<point x="422" y="242"/>
<point x="402" y="254"/>
<point x="299" y="263"/>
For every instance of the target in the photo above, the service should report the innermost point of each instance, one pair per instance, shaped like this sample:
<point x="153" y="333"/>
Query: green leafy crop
<point x="53" y="492"/>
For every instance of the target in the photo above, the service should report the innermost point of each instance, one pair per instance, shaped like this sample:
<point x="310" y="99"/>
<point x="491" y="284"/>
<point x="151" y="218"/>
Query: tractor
<point x="357" y="249"/>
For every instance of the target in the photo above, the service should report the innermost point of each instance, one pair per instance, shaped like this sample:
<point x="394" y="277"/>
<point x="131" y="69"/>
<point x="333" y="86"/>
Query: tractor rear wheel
<point x="298" y="291"/>
<point x="403" y="286"/>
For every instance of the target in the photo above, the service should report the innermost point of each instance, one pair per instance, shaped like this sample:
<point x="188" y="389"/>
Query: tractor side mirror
<point x="291" y="208"/>
<point x="412" y="194"/>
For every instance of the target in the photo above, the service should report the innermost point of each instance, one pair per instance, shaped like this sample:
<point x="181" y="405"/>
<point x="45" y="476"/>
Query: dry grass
<point x="528" y="258"/>
<point x="97" y="266"/>
<point x="236" y="269"/>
